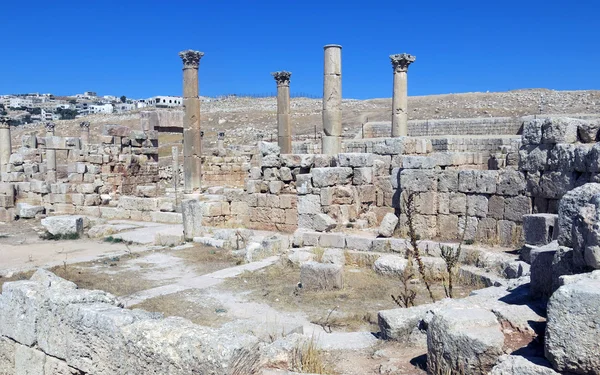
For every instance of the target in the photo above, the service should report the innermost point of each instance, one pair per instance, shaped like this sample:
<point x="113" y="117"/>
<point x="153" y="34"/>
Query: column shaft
<point x="192" y="145"/>
<point x="332" y="99"/>
<point x="284" y="124"/>
<point x="400" y="105"/>
<point x="5" y="146"/>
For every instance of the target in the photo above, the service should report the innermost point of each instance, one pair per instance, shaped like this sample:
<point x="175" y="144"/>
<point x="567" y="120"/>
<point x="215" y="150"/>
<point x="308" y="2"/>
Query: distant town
<point x="31" y="108"/>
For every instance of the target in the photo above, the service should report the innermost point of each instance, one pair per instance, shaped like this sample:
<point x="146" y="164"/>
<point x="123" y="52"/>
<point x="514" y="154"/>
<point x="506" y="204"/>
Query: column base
<point x="332" y="145"/>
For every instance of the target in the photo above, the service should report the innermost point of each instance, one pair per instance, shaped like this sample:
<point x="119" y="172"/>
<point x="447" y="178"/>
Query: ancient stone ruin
<point x="508" y="206"/>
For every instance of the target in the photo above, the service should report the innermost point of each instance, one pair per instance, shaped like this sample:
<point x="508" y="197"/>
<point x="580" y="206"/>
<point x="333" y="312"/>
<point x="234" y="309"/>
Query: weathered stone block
<point x="457" y="203"/>
<point x="541" y="266"/>
<point x="510" y="182"/>
<point x="415" y="180"/>
<point x="571" y="341"/>
<point x="516" y="207"/>
<point x="560" y="130"/>
<point x="355" y="160"/>
<point x="322" y="177"/>
<point x="533" y="158"/>
<point x="447" y="180"/>
<point x="388" y="225"/>
<point x="319" y="276"/>
<point x="477" y="205"/>
<point x="362" y="176"/>
<point x="309" y="204"/>
<point x="532" y="132"/>
<point x="540" y="229"/>
<point x="64" y="225"/>
<point x="475" y="181"/>
<point x="461" y="340"/>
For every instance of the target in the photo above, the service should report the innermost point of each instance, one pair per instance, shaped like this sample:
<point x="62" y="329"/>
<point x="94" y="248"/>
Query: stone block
<point x="463" y="340"/>
<point x="355" y="160"/>
<point x="516" y="207"/>
<point x="510" y="182"/>
<point x="336" y="240"/>
<point x="554" y="185"/>
<point x="448" y="227"/>
<point x="28" y="361"/>
<point x="415" y="180"/>
<point x="319" y="276"/>
<point x="63" y="225"/>
<point x="541" y="266"/>
<point x="309" y="204"/>
<point x="28" y="211"/>
<point x="334" y="256"/>
<point x="323" y="177"/>
<point x="560" y="130"/>
<point x="192" y="215"/>
<point x="568" y="210"/>
<point x="477" y="205"/>
<point x="475" y="181"/>
<point x="532" y="132"/>
<point x="571" y="341"/>
<point x="138" y="204"/>
<point x="457" y="203"/>
<point x="418" y="162"/>
<point x="496" y="207"/>
<point x="540" y="229"/>
<point x="516" y="364"/>
<point x="359" y="243"/>
<point x="487" y="230"/>
<point x="508" y="233"/>
<point x="533" y="158"/>
<point x="388" y="225"/>
<point x="7" y="356"/>
<point x="447" y="180"/>
<point x="362" y="176"/>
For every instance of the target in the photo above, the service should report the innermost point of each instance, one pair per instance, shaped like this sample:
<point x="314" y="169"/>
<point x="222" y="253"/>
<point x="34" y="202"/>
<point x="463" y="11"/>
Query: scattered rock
<point x="388" y="225"/>
<point x="64" y="225"/>
<point x="319" y="276"/>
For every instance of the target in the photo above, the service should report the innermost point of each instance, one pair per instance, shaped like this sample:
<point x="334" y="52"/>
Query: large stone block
<point x="356" y="160"/>
<point x="475" y="181"/>
<point x="533" y="158"/>
<point x="568" y="210"/>
<point x="28" y="211"/>
<point x="319" y="276"/>
<point x="388" y="225"/>
<point x="516" y="207"/>
<point x="322" y="177"/>
<point x="7" y="356"/>
<point x="541" y="266"/>
<point x="588" y="131"/>
<point x="402" y="324"/>
<point x="309" y="204"/>
<point x="416" y="180"/>
<point x="461" y="340"/>
<point x="554" y="184"/>
<point x="560" y="130"/>
<point x="532" y="132"/>
<point x="477" y="205"/>
<point x="64" y="225"/>
<point x="540" y="229"/>
<point x="447" y="180"/>
<point x="28" y="361"/>
<point x="562" y="157"/>
<point x="510" y="182"/>
<point x="571" y="341"/>
<point x="516" y="364"/>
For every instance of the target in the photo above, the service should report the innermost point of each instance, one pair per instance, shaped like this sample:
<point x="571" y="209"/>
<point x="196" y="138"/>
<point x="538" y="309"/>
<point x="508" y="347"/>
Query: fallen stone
<point x="540" y="229"/>
<point x="390" y="265"/>
<point x="319" y="276"/>
<point x="541" y="266"/>
<point x="515" y="364"/>
<point x="388" y="225"/>
<point x="573" y="328"/>
<point x="323" y="223"/>
<point x="569" y="207"/>
<point x="27" y="211"/>
<point x="64" y="225"/>
<point x="461" y="340"/>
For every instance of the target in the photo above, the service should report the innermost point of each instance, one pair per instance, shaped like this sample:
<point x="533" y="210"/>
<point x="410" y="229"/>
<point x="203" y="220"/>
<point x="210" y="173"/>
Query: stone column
<point x="85" y="133"/>
<point x="192" y="145"/>
<point x="175" y="153"/>
<point x="284" y="125"/>
<point x="50" y="155"/>
<point x="221" y="142"/>
<point x="5" y="145"/>
<point x="332" y="99"/>
<point x="400" y="63"/>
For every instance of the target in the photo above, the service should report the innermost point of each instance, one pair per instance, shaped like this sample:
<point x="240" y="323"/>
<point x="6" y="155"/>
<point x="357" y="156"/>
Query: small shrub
<point x="407" y="295"/>
<point x="469" y="242"/>
<point x="318" y="251"/>
<point x="307" y="358"/>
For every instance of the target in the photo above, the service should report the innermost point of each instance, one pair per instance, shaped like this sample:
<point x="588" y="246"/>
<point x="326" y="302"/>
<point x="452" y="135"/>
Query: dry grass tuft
<point x="307" y="358"/>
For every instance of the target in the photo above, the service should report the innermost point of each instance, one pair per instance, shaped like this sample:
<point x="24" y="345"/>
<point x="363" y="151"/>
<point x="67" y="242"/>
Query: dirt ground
<point x="353" y="308"/>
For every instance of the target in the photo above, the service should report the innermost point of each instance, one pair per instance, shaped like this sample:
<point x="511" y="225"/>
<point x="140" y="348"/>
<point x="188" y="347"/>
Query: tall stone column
<point x="5" y="145"/>
<point x="332" y="100"/>
<point x="85" y="133"/>
<point x="284" y="125"/>
<point x="400" y="63"/>
<point x="192" y="145"/>
<point x="175" y="154"/>
<point x="50" y="155"/>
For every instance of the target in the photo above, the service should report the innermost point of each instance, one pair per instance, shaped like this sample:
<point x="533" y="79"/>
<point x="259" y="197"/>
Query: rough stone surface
<point x="319" y="276"/>
<point x="560" y="130"/>
<point x="541" y="264"/>
<point x="569" y="207"/>
<point x="28" y="211"/>
<point x="571" y="342"/>
<point x="334" y="256"/>
<point x="388" y="225"/>
<point x="192" y="218"/>
<point x="392" y="265"/>
<point x="540" y="229"/>
<point x="515" y="364"/>
<point x="461" y="340"/>
<point x="64" y="225"/>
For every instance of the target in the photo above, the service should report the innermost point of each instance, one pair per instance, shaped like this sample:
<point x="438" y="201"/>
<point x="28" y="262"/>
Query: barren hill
<point x="243" y="118"/>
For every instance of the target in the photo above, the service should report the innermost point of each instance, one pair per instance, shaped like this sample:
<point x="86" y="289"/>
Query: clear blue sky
<point x="130" y="47"/>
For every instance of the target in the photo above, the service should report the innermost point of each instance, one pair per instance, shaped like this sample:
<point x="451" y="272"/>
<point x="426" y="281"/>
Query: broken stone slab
<point x="540" y="229"/>
<point x="388" y="225"/>
<point x="573" y="328"/>
<point x="322" y="223"/>
<point x="481" y="276"/>
<point x="403" y="324"/>
<point x="319" y="276"/>
<point x="463" y="340"/>
<point x="64" y="225"/>
<point x="301" y="255"/>
<point x="390" y="265"/>
<point x="28" y="211"/>
<point x="516" y="364"/>
<point x="268" y="148"/>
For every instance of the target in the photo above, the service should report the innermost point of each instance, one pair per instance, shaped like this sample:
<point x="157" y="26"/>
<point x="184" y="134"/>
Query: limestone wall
<point x="228" y="171"/>
<point x="50" y="327"/>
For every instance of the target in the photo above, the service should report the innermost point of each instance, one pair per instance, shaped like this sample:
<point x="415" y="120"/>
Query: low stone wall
<point x="50" y="327"/>
<point x="228" y="171"/>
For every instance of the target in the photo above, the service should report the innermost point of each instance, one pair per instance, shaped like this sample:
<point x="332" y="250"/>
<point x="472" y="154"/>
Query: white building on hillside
<point x="48" y="115"/>
<point x="104" y="108"/>
<point x="165" y="101"/>
<point x="124" y="107"/>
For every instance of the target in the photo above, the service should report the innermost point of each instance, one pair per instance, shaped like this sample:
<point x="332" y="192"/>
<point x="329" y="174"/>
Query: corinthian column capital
<point x="282" y="77"/>
<point x="401" y="61"/>
<point x="191" y="58"/>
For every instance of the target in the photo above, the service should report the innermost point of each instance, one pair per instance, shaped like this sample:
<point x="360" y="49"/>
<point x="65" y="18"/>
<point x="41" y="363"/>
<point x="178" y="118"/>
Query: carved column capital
<point x="401" y="61"/>
<point x="191" y="58"/>
<point x="282" y="77"/>
<point x="50" y="127"/>
<point x="85" y="125"/>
